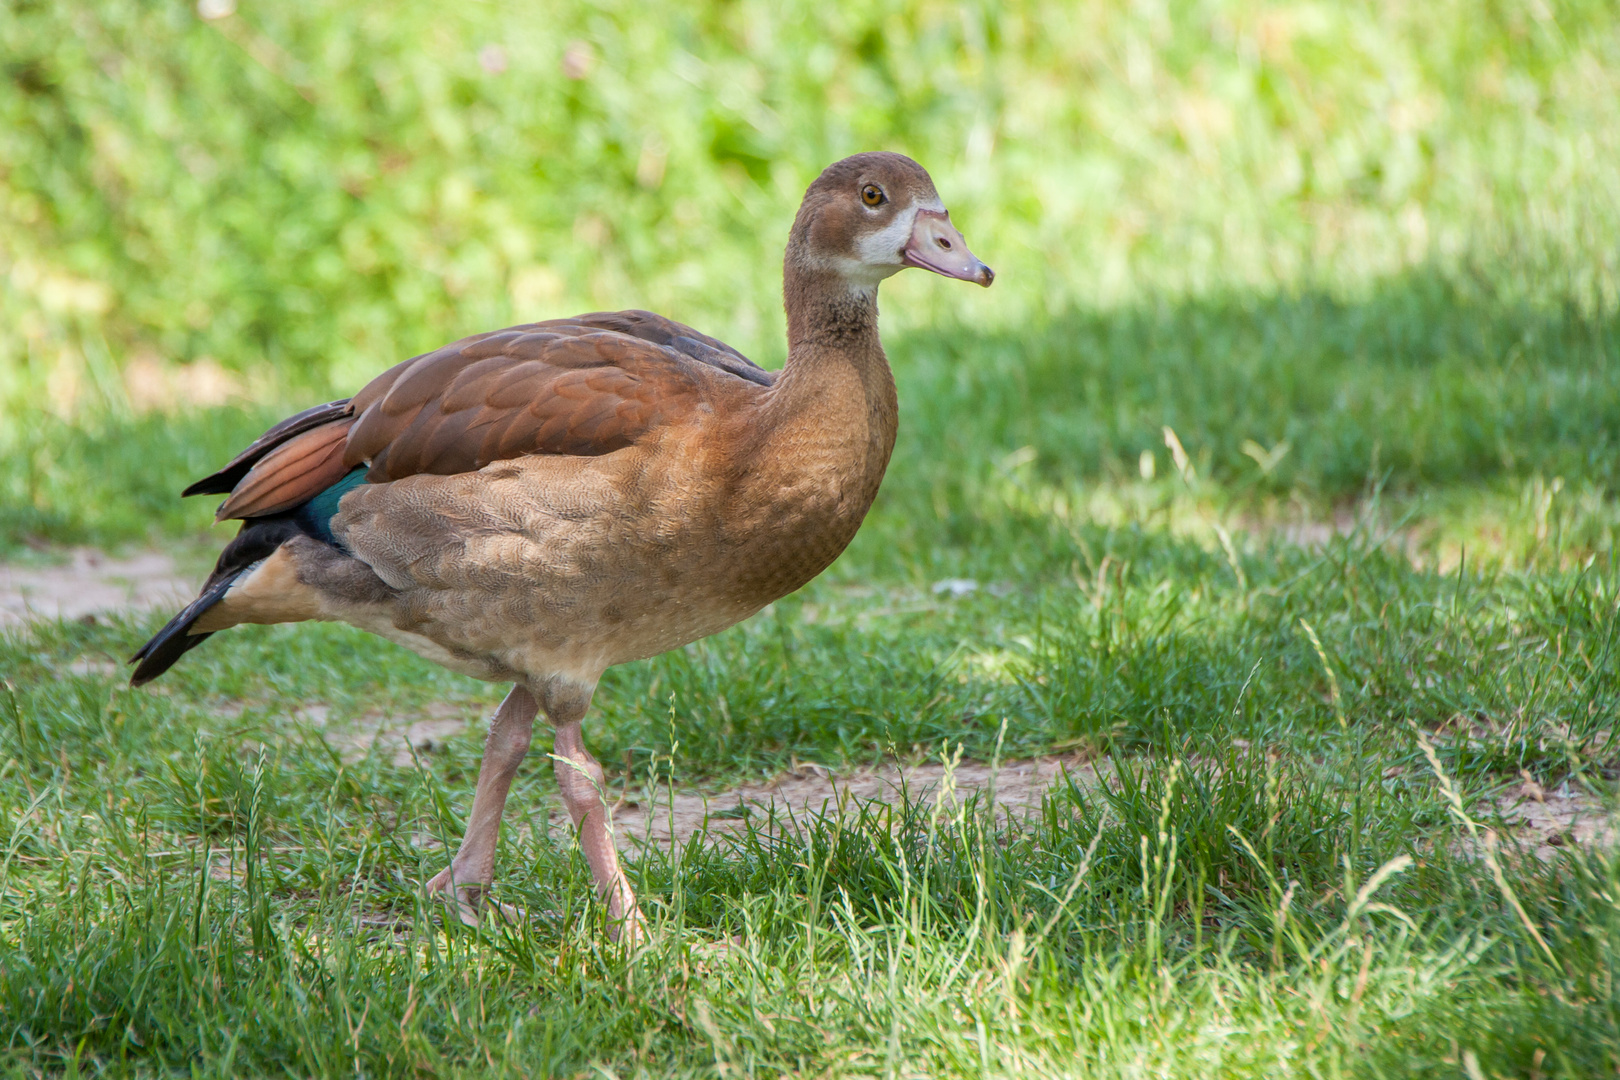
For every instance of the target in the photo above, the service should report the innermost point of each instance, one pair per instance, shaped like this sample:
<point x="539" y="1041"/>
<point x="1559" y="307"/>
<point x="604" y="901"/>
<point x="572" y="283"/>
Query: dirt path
<point x="1537" y="821"/>
<point x="795" y="799"/>
<point x="1543" y="821"/>
<point x="646" y="814"/>
<point x="90" y="583"/>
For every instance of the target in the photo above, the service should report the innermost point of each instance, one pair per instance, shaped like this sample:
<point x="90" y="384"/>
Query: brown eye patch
<point x="872" y="195"/>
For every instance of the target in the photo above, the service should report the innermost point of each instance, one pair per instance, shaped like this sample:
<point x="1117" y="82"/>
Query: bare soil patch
<point x="648" y="814"/>
<point x="1543" y="822"/>
<point x="792" y="801"/>
<point x="90" y="583"/>
<point x="1537" y="821"/>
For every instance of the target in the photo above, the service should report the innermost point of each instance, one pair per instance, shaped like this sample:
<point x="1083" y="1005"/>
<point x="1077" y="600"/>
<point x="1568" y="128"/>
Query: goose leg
<point x="472" y="871"/>
<point x="580" y="778"/>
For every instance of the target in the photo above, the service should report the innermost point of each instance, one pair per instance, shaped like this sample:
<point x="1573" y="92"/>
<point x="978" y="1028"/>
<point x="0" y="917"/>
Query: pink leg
<point x="469" y="875"/>
<point x="580" y="778"/>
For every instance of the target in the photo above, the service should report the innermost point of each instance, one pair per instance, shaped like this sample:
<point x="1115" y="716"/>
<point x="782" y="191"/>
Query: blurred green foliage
<point x="308" y="191"/>
<point x="1326" y="243"/>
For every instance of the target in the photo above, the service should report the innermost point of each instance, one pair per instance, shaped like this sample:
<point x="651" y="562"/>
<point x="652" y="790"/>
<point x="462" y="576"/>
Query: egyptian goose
<point x="535" y="504"/>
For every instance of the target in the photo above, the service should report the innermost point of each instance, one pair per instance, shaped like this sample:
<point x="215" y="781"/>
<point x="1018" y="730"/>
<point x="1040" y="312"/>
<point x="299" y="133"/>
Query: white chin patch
<point x="881" y="250"/>
<point x="881" y="253"/>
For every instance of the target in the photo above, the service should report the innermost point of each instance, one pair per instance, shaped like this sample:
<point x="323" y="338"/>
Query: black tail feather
<point x="257" y="541"/>
<point x="172" y="642"/>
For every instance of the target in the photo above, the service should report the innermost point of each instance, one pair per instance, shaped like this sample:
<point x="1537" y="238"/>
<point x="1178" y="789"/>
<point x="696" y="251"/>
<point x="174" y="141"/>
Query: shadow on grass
<point x="1421" y="381"/>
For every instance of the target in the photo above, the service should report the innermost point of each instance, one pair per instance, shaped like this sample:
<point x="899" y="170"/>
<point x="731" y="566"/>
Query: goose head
<point x="870" y="216"/>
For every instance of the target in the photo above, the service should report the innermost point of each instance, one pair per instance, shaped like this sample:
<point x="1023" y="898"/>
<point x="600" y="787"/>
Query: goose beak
<point x="936" y="245"/>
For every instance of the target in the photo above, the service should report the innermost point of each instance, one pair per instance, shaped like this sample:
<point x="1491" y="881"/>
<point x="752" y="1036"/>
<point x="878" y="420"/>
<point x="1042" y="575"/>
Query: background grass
<point x="1358" y="259"/>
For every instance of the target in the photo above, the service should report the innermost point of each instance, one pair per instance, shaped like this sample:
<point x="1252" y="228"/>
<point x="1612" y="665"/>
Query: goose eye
<point x="872" y="195"/>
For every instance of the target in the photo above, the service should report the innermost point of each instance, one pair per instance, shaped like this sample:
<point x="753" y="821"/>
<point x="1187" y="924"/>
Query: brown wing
<point x="582" y="387"/>
<point x="225" y="480"/>
<point x="292" y="473"/>
<point x="677" y="336"/>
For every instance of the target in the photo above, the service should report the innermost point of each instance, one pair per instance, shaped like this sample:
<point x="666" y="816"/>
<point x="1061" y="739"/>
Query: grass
<point x="935" y="946"/>
<point x="1341" y="272"/>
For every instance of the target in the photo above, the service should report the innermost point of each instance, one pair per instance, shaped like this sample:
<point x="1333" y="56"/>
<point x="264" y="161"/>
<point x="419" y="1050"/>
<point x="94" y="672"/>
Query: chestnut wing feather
<point x="292" y="473"/>
<point x="582" y="387"/>
<point x="518" y="392"/>
<point x="225" y="480"/>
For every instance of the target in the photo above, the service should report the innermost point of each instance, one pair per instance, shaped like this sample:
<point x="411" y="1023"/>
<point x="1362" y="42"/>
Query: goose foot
<point x="627" y="927"/>
<point x="471" y="901"/>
